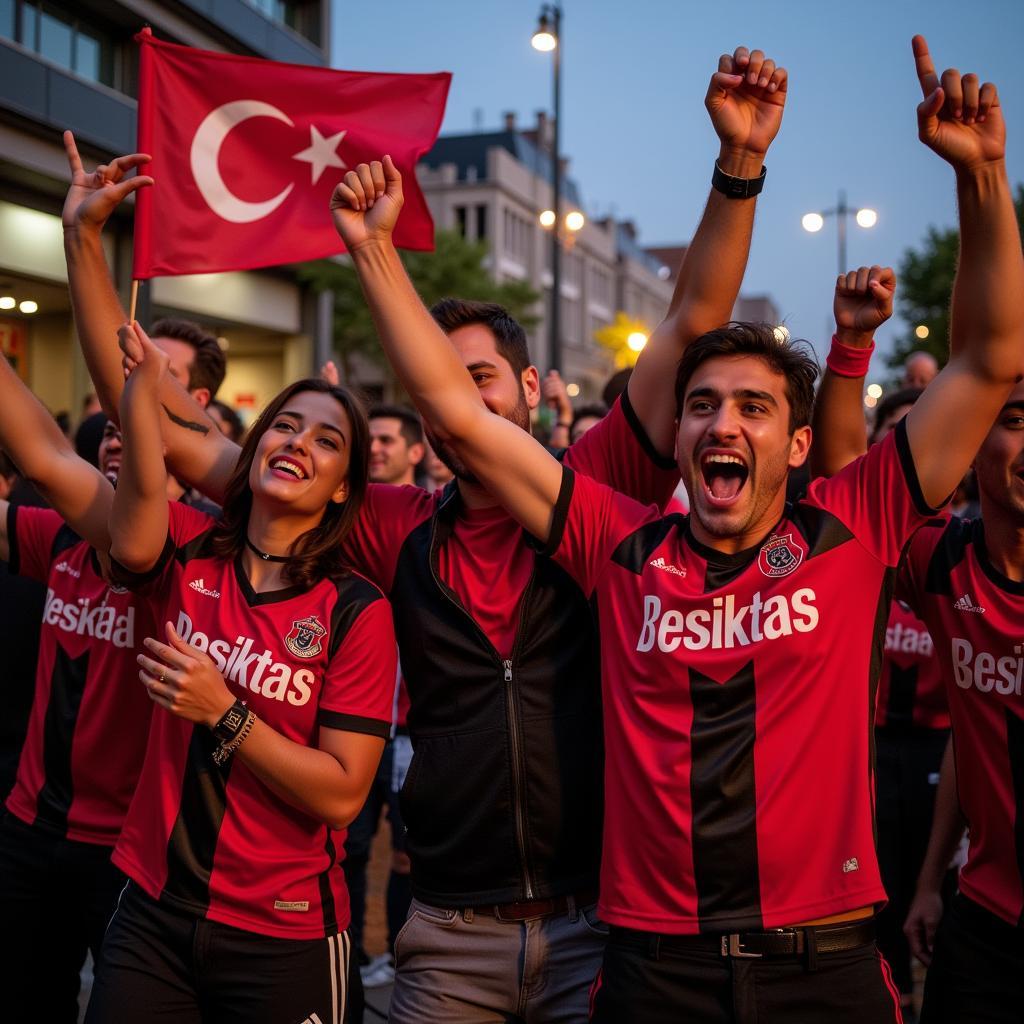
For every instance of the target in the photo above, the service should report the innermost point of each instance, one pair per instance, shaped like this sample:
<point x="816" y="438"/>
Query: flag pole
<point x="133" y="301"/>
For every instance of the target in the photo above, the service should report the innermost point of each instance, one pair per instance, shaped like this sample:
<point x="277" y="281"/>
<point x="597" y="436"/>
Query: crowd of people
<point x="680" y="716"/>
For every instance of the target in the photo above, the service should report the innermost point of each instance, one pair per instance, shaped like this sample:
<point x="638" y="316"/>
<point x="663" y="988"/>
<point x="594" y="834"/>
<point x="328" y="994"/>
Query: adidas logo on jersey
<point x="200" y="588"/>
<point x="966" y="604"/>
<point x="101" y="622"/>
<point x="64" y="567"/>
<point x="660" y="563"/>
<point x="986" y="672"/>
<point x="252" y="671"/>
<point x="723" y="625"/>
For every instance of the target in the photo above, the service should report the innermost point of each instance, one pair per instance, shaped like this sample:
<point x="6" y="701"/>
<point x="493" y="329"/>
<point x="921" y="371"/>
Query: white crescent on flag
<point x="206" y="145"/>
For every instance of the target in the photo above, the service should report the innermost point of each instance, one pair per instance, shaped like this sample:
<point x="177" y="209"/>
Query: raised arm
<point x="513" y="466"/>
<point x="139" y="517"/>
<point x="962" y="122"/>
<point x="28" y="433"/>
<point x="863" y="302"/>
<point x="197" y="452"/>
<point x="745" y="100"/>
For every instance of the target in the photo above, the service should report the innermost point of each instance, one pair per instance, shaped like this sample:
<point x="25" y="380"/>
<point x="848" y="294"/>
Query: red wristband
<point x="847" y="361"/>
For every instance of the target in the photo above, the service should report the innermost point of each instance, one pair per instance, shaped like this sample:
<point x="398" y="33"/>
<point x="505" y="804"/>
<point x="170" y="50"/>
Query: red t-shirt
<point x="976" y="616"/>
<point x="90" y="715"/>
<point x="218" y="842"/>
<point x="910" y="691"/>
<point x="485" y="562"/>
<point x="738" y="699"/>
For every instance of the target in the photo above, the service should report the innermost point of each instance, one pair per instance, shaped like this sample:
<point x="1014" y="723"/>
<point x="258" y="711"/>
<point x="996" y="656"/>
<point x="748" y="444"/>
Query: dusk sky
<point x="640" y="142"/>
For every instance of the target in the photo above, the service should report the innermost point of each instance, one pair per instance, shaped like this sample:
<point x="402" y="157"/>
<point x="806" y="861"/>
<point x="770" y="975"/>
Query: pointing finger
<point x="71" y="149"/>
<point x="925" y="66"/>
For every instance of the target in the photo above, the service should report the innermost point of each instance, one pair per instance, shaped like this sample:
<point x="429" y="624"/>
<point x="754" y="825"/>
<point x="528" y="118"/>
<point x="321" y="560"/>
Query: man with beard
<point x="503" y="801"/>
<point x="739" y="644"/>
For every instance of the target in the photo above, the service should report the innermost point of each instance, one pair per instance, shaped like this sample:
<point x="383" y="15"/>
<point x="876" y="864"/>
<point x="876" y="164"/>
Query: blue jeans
<point x="462" y="967"/>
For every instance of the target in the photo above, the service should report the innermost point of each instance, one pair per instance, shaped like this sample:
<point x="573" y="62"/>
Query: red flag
<point x="246" y="153"/>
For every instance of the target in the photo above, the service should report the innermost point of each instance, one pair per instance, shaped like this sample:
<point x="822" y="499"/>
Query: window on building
<point x="460" y="220"/>
<point x="518" y="237"/>
<point x="301" y="15"/>
<point x="481" y="221"/>
<point x="61" y="36"/>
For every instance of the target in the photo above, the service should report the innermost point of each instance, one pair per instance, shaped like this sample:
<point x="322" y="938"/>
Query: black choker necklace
<point x="262" y="554"/>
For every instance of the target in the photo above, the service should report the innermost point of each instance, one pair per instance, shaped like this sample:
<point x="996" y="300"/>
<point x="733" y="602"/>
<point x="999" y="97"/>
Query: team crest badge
<point x="779" y="556"/>
<point x="305" y="636"/>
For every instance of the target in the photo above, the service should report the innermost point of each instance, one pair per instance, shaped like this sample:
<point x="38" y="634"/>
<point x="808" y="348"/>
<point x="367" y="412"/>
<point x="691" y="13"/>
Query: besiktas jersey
<point x="90" y="714"/>
<point x="976" y="617"/>
<point x="217" y="842"/>
<point x="739" y="697"/>
<point x="911" y="693"/>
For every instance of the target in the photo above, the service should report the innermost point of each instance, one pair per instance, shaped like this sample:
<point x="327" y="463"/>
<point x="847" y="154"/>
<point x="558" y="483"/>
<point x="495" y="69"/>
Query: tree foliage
<point x="925" y="286"/>
<point x="615" y="338"/>
<point x="455" y="268"/>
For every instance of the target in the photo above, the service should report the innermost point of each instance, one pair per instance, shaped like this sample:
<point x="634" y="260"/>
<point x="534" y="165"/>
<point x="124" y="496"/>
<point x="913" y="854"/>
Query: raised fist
<point x="366" y="203"/>
<point x="863" y="300"/>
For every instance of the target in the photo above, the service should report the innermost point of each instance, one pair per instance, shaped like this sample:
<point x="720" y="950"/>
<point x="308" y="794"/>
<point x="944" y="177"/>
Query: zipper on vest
<point x="517" y="775"/>
<point x="511" y="703"/>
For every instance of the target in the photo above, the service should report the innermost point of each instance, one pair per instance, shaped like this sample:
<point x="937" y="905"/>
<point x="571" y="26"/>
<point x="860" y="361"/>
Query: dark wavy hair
<point x="794" y="360"/>
<point x="316" y="554"/>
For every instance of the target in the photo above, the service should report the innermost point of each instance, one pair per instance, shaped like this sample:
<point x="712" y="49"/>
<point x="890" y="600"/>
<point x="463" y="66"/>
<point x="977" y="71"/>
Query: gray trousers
<point x="461" y="967"/>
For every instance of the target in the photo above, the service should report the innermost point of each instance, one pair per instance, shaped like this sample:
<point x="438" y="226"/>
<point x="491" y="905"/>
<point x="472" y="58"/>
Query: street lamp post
<point x="865" y="217"/>
<point x="548" y="38"/>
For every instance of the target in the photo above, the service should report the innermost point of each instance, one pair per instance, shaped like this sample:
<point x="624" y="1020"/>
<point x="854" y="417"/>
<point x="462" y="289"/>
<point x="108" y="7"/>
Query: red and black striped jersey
<point x="739" y="698"/>
<point x="911" y="693"/>
<point x="217" y="842"/>
<point x="90" y="714"/>
<point x="976" y="616"/>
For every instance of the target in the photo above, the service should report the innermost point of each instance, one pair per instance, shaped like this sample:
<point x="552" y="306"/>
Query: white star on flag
<point x="321" y="152"/>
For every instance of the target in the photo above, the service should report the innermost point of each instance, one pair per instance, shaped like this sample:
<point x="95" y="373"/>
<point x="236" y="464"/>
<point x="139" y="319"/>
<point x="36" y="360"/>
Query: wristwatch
<point x="737" y="188"/>
<point x="231" y="722"/>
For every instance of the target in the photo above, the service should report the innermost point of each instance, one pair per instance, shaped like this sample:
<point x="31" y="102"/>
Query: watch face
<point x="233" y="719"/>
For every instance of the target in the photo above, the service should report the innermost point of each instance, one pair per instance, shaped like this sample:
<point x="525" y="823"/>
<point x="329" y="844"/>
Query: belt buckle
<point x="732" y="945"/>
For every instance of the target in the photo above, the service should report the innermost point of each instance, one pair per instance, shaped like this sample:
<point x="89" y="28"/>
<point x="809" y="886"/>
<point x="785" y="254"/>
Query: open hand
<point x="958" y="118"/>
<point x="366" y="203"/>
<point x="745" y="99"/>
<point x="183" y="679"/>
<point x="863" y="301"/>
<point x="91" y="199"/>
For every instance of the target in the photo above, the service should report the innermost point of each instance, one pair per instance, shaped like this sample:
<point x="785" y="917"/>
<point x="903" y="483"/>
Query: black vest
<point x="504" y="797"/>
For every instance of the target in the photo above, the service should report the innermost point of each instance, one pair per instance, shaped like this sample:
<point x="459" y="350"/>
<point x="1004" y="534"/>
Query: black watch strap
<point x="231" y="722"/>
<point x="737" y="188"/>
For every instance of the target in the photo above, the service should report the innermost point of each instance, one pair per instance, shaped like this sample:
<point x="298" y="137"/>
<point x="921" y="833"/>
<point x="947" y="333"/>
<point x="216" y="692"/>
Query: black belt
<point x="527" y="910"/>
<point x="753" y="945"/>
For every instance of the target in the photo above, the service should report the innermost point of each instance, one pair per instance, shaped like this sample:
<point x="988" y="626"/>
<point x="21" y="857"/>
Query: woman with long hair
<point x="275" y="682"/>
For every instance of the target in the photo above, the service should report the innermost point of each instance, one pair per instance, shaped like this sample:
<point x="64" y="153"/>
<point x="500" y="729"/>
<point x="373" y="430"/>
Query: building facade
<point x="73" y="64"/>
<point x="492" y="187"/>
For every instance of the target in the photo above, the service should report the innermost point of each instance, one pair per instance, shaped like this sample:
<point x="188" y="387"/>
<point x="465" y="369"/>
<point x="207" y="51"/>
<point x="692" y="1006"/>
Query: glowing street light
<point x="574" y="220"/>
<point x="545" y="38"/>
<point x="870" y="402"/>
<point x="547" y="218"/>
<point x="875" y="391"/>
<point x="572" y="390"/>
<point x="814" y="222"/>
<point x="921" y="330"/>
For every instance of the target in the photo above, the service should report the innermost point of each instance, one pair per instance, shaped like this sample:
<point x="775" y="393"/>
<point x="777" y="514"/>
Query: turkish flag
<point x="246" y="153"/>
